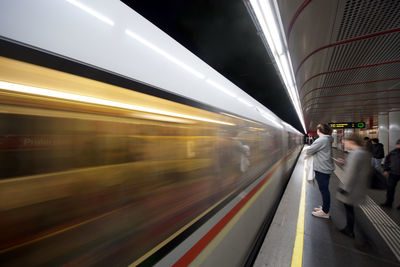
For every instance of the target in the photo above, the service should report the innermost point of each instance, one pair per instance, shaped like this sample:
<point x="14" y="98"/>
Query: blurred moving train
<point x="102" y="165"/>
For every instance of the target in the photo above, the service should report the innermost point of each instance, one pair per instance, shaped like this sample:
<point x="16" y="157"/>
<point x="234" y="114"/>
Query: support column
<point x="394" y="129"/>
<point x="346" y="133"/>
<point x="335" y="140"/>
<point x="383" y="132"/>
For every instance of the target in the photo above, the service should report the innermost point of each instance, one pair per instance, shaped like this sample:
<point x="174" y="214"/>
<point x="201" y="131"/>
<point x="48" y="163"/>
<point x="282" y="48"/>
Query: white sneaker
<point x="320" y="214"/>
<point x="318" y="208"/>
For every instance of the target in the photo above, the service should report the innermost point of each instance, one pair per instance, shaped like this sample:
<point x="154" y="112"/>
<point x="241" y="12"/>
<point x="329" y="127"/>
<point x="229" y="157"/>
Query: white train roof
<point x="112" y="36"/>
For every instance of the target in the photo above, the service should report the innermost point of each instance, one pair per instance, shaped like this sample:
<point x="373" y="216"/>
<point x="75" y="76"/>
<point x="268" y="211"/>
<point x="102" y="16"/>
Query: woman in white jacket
<point x="323" y="167"/>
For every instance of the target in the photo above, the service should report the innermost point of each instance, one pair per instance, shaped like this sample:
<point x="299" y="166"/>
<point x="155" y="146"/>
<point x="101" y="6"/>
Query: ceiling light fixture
<point x="266" y="17"/>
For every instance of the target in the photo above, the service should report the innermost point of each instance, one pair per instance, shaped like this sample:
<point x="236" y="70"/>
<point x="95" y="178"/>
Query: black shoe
<point x="347" y="232"/>
<point x="387" y="205"/>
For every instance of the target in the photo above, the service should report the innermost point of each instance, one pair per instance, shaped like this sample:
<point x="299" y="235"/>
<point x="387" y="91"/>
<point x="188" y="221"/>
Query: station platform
<point x="296" y="238"/>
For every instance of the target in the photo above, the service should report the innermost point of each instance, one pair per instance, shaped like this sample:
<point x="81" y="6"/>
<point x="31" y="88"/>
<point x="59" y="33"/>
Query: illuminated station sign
<point x="341" y="125"/>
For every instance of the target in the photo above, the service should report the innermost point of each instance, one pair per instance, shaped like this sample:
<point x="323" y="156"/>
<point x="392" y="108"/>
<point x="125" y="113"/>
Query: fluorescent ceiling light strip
<point x="286" y="70"/>
<point x="264" y="28"/>
<point x="291" y="87"/>
<point x="286" y="83"/>
<point x="163" y="53"/>
<point x="271" y="24"/>
<point x="91" y="12"/>
<point x="86" y="99"/>
<point x="280" y="25"/>
<point x="282" y="74"/>
<point x="245" y="102"/>
<point x="220" y="87"/>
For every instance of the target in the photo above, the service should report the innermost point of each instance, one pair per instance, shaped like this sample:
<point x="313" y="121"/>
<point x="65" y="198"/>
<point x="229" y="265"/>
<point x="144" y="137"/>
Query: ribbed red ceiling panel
<point x="350" y="59"/>
<point x="354" y="93"/>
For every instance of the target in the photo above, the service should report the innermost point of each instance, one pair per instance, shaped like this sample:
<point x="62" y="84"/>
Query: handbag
<point x="309" y="173"/>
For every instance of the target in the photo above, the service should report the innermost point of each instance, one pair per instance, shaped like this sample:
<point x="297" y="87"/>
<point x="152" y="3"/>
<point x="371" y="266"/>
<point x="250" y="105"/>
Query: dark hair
<point x="324" y="128"/>
<point x="355" y="138"/>
<point x="366" y="138"/>
<point x="375" y="140"/>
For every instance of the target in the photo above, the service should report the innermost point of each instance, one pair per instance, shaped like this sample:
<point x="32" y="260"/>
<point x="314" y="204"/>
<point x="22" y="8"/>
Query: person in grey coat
<point x="356" y="174"/>
<point x="323" y="167"/>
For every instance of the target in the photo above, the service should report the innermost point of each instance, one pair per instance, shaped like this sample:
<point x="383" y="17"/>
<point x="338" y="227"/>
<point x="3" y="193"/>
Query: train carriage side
<point x="100" y="168"/>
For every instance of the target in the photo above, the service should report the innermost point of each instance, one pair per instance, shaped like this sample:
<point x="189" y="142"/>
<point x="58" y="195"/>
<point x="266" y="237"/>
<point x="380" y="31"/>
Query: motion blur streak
<point x="95" y="183"/>
<point x="44" y="92"/>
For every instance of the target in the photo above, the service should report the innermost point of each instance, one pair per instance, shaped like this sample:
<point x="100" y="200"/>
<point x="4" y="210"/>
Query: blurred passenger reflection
<point x="356" y="174"/>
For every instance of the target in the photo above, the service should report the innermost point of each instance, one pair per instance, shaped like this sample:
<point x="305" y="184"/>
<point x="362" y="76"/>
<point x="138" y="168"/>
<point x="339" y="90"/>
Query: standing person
<point x="353" y="188"/>
<point x="368" y="144"/>
<point x="323" y="167"/>
<point x="377" y="154"/>
<point x="392" y="169"/>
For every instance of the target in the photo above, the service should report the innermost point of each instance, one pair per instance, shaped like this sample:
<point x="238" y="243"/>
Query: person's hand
<point x="340" y="160"/>
<point x="386" y="173"/>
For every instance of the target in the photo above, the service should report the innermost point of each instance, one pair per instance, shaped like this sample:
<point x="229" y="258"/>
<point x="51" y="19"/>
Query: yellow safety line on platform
<point x="297" y="256"/>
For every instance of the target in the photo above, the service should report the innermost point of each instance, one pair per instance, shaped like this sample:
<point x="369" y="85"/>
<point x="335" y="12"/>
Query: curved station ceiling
<point x="345" y="57"/>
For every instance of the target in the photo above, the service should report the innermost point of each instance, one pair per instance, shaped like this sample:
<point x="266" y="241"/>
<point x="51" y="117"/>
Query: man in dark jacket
<point x="392" y="168"/>
<point x="377" y="154"/>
